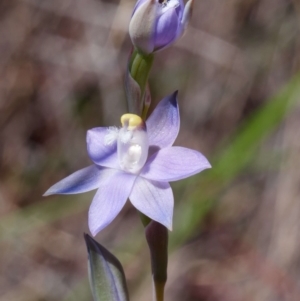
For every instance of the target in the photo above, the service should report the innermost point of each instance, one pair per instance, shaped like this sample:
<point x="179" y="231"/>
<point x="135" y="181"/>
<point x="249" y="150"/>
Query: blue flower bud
<point x="155" y="24"/>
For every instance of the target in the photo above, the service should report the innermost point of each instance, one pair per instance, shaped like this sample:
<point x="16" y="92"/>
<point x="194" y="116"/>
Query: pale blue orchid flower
<point x="135" y="161"/>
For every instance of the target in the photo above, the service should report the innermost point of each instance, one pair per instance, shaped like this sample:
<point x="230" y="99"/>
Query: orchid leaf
<point x="106" y="275"/>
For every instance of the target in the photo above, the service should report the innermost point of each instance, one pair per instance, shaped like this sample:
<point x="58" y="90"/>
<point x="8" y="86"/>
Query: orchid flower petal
<point x="163" y="124"/>
<point x="174" y="163"/>
<point x="103" y="154"/>
<point x="166" y="28"/>
<point x="110" y="198"/>
<point x="83" y="180"/>
<point x="154" y="199"/>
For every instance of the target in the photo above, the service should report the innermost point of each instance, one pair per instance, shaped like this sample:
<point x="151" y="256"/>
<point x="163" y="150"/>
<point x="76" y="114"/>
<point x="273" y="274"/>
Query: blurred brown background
<point x="236" y="233"/>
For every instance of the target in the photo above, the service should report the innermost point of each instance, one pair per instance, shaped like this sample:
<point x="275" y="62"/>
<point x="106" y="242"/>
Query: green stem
<point x="139" y="68"/>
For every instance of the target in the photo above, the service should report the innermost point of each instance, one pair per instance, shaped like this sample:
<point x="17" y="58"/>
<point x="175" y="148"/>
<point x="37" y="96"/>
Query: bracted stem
<point x="139" y="68"/>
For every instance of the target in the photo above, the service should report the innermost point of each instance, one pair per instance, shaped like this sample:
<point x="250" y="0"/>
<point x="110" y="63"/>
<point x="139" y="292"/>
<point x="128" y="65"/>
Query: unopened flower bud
<point x="155" y="24"/>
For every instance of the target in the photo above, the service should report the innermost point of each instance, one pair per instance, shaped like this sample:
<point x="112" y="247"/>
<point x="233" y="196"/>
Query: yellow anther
<point x="131" y="121"/>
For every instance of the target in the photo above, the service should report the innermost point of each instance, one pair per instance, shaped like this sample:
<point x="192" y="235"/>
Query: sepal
<point x="141" y="27"/>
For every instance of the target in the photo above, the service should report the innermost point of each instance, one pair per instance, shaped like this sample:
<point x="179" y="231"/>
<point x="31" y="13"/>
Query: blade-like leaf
<point x="106" y="275"/>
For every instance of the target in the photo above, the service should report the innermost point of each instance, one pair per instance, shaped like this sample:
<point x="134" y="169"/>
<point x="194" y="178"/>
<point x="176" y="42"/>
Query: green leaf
<point x="106" y="275"/>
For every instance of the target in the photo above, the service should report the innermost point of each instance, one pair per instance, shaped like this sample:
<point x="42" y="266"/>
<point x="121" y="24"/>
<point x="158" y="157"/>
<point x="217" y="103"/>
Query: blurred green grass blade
<point x="255" y="129"/>
<point x="230" y="162"/>
<point x="38" y="214"/>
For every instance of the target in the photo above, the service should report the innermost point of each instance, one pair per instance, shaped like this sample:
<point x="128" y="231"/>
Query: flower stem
<point x="159" y="289"/>
<point x="139" y="67"/>
<point x="157" y="239"/>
